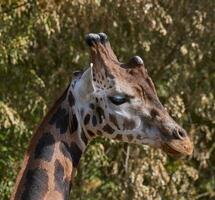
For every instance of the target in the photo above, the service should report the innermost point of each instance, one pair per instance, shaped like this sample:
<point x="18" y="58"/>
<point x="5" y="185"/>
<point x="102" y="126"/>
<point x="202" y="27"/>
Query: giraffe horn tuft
<point x="92" y="38"/>
<point x="135" y="61"/>
<point x="103" y="37"/>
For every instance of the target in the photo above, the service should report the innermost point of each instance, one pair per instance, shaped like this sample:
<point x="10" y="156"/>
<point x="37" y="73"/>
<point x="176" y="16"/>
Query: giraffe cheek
<point x="113" y="119"/>
<point x="128" y="124"/>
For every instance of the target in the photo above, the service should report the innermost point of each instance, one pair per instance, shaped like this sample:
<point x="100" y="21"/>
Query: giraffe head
<point x="119" y="101"/>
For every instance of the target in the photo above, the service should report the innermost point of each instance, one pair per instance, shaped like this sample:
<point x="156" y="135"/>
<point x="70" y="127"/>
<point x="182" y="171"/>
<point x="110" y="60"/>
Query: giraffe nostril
<point x="179" y="134"/>
<point x="182" y="133"/>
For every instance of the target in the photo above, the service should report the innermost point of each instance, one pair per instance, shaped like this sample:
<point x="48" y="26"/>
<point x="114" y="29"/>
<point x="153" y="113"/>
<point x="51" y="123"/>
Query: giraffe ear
<point x="86" y="85"/>
<point x="90" y="83"/>
<point x="93" y="77"/>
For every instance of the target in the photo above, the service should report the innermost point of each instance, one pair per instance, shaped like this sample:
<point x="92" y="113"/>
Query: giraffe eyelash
<point x="118" y="99"/>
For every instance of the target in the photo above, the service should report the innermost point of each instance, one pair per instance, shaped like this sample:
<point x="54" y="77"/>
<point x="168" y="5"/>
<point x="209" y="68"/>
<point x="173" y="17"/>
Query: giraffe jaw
<point x="173" y="147"/>
<point x="178" y="148"/>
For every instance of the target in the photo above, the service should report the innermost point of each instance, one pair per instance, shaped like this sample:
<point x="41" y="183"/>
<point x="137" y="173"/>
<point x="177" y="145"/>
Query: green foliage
<point x="42" y="42"/>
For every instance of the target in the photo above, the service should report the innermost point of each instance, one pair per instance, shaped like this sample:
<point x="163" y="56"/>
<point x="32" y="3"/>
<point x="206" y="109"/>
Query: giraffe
<point x="110" y="99"/>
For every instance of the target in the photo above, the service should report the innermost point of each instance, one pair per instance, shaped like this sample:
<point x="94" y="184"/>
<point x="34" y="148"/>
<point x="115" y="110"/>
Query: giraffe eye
<point x="118" y="100"/>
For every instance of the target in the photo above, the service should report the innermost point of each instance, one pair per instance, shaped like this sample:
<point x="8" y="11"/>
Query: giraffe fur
<point x="109" y="99"/>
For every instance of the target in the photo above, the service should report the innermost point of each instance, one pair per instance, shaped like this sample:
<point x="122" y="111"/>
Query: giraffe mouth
<point x="178" y="150"/>
<point x="171" y="151"/>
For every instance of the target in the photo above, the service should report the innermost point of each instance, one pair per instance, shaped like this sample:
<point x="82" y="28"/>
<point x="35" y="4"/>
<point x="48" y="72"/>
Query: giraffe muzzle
<point x="178" y="143"/>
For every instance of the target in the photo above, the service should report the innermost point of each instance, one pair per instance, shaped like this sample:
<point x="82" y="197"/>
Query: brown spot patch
<point x="84" y="138"/>
<point x="108" y="129"/>
<point x="92" y="106"/>
<point x="74" y="124"/>
<point x="91" y="134"/>
<point x="94" y="120"/>
<point x="99" y="133"/>
<point x="86" y="119"/>
<point x="113" y="119"/>
<point x="139" y="137"/>
<point x="61" y="184"/>
<point x="45" y="147"/>
<point x="61" y="120"/>
<point x="36" y="184"/>
<point x="118" y="137"/>
<point x="130" y="137"/>
<point x="72" y="152"/>
<point x="71" y="99"/>
<point x="100" y="113"/>
<point x="128" y="124"/>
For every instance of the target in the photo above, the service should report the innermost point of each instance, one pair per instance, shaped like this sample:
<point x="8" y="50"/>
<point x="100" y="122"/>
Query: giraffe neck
<point x="53" y="154"/>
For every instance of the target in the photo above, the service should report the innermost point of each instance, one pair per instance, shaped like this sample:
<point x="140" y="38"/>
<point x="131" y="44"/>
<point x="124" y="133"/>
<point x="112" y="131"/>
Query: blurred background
<point x="42" y="43"/>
